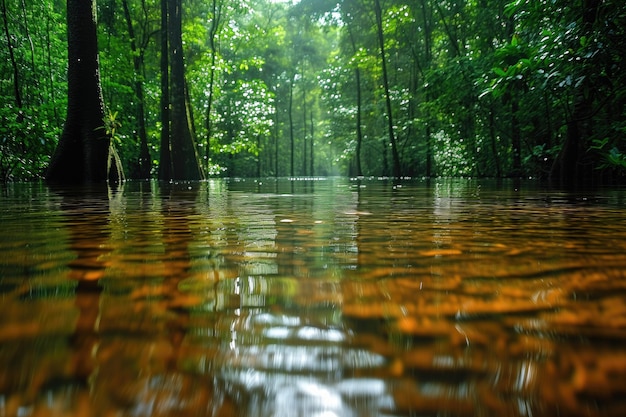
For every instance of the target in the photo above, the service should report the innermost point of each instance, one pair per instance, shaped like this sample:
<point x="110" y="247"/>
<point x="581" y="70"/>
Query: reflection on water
<point x="312" y="298"/>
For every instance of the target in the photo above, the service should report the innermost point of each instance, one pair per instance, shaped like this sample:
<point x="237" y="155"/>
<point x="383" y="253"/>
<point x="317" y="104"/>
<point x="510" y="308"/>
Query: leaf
<point x="511" y="8"/>
<point x="499" y="72"/>
<point x="485" y="93"/>
<point x="599" y="144"/>
<point x="584" y="41"/>
<point x="527" y="62"/>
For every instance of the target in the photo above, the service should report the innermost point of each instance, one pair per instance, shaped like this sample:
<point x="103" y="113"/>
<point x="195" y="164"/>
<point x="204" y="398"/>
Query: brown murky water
<point x="312" y="298"/>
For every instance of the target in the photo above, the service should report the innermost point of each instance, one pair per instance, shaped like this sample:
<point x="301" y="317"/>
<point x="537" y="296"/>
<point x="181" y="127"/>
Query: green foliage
<point x="474" y="86"/>
<point x="29" y="128"/>
<point x="26" y="143"/>
<point x="613" y="158"/>
<point x="111" y="126"/>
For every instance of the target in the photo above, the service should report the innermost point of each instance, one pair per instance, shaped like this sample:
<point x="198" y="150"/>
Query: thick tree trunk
<point x="84" y="152"/>
<point x="185" y="164"/>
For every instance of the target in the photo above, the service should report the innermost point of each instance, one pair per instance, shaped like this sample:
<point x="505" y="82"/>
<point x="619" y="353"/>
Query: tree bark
<point x="185" y="164"/>
<point x="216" y="7"/>
<point x="165" y="156"/>
<point x="359" y="106"/>
<point x="397" y="169"/>
<point x="291" y="133"/>
<point x="84" y="152"/>
<point x="311" y="146"/>
<point x="144" y="152"/>
<point x="304" y="122"/>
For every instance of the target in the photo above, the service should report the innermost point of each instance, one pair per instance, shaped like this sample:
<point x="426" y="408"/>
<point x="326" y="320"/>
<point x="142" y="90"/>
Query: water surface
<point x="324" y="297"/>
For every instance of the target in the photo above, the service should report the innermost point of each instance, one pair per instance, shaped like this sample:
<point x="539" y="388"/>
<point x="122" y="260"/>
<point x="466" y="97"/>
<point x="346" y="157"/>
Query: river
<point x="312" y="297"/>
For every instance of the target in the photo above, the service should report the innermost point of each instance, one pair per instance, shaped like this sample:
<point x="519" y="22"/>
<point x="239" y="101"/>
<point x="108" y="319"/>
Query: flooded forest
<point x="256" y="88"/>
<point x="312" y="208"/>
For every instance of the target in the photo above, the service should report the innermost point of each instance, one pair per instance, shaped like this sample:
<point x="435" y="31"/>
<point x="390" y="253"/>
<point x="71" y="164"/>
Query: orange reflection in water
<point x="312" y="298"/>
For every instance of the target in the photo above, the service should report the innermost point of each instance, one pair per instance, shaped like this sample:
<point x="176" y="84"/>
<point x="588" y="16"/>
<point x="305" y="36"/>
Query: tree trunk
<point x="258" y="157"/>
<point x="359" y="107"/>
<point x="516" y="138"/>
<point x="215" y="24"/>
<point x="144" y="153"/>
<point x="494" y="141"/>
<point x="31" y="46"/>
<point x="566" y="166"/>
<point x="311" y="146"/>
<point x="276" y="141"/>
<point x="427" y="18"/>
<point x="397" y="171"/>
<point x="84" y="152"/>
<point x="165" y="156"/>
<point x="185" y="164"/>
<point x="50" y="74"/>
<point x="291" y="133"/>
<point x="304" y="122"/>
<point x="16" y="74"/>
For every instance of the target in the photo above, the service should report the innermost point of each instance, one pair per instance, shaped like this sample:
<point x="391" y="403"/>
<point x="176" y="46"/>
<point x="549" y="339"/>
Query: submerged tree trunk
<point x="84" y="152"/>
<point x="185" y="163"/>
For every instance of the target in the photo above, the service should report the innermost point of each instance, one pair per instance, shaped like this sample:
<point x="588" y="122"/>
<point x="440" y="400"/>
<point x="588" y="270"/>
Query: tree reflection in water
<point x="124" y="349"/>
<point x="190" y="303"/>
<point x="218" y="299"/>
<point x="273" y="330"/>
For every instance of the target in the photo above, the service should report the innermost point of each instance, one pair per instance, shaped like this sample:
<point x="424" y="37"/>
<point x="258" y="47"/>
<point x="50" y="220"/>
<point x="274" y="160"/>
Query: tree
<point x="579" y="123"/>
<point x="165" y="157"/>
<point x="84" y="152"/>
<point x="217" y="7"/>
<point x="480" y="88"/>
<point x="16" y="76"/>
<point x="138" y="52"/>
<point x="184" y="156"/>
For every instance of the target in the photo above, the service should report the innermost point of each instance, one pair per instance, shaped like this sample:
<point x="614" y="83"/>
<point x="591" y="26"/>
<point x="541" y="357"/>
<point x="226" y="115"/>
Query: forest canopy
<point x="419" y="88"/>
